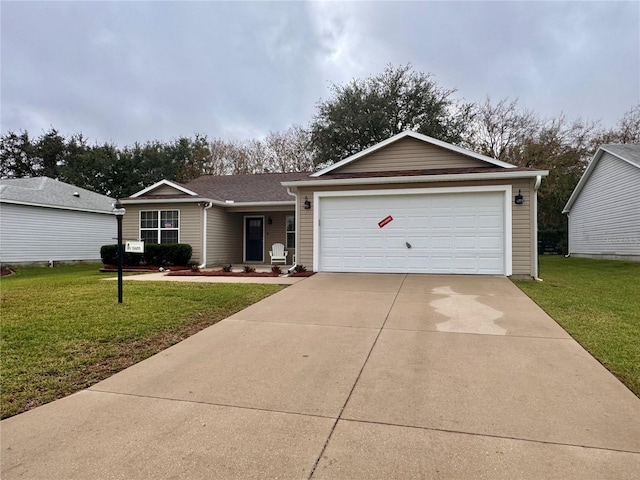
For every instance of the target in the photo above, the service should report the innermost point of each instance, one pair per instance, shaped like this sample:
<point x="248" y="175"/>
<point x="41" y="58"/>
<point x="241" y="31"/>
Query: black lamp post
<point x="119" y="212"/>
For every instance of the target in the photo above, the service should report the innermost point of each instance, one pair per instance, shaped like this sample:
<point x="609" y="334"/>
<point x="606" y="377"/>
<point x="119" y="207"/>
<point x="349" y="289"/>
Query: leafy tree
<point x="16" y="156"/>
<point x="520" y="137"/>
<point x="367" y="111"/>
<point x="195" y="155"/>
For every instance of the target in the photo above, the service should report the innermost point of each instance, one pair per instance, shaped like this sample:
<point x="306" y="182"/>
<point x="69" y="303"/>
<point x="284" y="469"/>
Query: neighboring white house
<point x="604" y="208"/>
<point x="44" y="220"/>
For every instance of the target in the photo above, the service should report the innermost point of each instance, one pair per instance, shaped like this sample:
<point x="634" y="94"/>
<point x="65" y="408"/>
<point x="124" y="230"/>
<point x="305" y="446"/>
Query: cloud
<point x="137" y="71"/>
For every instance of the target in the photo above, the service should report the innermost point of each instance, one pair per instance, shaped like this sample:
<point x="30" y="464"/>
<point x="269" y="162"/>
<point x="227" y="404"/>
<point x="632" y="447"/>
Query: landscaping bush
<point x="157" y="255"/>
<point x="109" y="256"/>
<point x="276" y="270"/>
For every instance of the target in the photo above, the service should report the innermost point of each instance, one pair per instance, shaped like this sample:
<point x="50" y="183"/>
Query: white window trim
<point x="505" y="189"/>
<point x="159" y="229"/>
<point x="287" y="232"/>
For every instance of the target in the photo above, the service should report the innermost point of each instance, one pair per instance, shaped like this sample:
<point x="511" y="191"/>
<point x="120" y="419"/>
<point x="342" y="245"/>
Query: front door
<point x="254" y="239"/>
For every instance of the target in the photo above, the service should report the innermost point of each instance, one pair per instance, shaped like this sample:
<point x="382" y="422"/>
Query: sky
<point x="132" y="71"/>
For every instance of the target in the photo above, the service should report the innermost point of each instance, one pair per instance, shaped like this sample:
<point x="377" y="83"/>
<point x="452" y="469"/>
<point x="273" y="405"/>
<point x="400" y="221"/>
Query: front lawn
<point x="63" y="330"/>
<point x="598" y="303"/>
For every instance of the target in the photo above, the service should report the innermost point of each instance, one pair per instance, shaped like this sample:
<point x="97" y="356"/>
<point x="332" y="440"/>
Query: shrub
<point x="109" y="256"/>
<point x="226" y="268"/>
<point x="300" y="268"/>
<point x="156" y="255"/>
<point x="276" y="270"/>
<point x="167" y="254"/>
<point x="249" y="269"/>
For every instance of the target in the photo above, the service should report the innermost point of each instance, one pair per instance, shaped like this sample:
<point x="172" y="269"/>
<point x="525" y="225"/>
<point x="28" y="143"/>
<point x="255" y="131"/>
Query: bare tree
<point x="497" y="129"/>
<point x="289" y="151"/>
<point x="627" y="130"/>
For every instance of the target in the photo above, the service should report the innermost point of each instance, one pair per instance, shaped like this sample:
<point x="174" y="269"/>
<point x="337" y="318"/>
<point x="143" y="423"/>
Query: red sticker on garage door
<point x="385" y="221"/>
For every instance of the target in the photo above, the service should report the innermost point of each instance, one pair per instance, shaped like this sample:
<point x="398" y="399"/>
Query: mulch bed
<point x="4" y="271"/>
<point x="222" y="273"/>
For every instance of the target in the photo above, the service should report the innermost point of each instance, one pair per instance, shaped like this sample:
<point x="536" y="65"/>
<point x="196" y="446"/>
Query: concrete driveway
<point x="349" y="376"/>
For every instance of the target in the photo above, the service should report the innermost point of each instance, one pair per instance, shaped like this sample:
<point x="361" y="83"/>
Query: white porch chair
<point x="278" y="253"/>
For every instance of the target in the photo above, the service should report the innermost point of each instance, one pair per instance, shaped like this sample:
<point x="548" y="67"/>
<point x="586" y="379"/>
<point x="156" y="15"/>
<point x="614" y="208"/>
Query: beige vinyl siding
<point x="277" y="233"/>
<point x="190" y="222"/>
<point x="604" y="221"/>
<point x="224" y="240"/>
<point x="522" y="225"/>
<point x="410" y="154"/>
<point x="164" y="190"/>
<point x="522" y="219"/>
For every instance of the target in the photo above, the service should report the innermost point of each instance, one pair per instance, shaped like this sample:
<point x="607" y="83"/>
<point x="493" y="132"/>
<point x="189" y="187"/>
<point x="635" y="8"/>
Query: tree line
<point x="356" y="115"/>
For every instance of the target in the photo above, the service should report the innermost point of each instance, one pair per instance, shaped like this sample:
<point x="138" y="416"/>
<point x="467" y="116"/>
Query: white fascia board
<point x="143" y="201"/>
<point x="587" y="173"/>
<point x="233" y="205"/>
<point x="453" y="177"/>
<point x="57" y="207"/>
<point x="583" y="180"/>
<point x="417" y="136"/>
<point x="161" y="183"/>
<point x="259" y="204"/>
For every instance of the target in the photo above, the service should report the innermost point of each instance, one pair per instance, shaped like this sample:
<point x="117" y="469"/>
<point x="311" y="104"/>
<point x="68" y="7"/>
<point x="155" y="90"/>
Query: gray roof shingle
<point x="260" y="187"/>
<point x="48" y="192"/>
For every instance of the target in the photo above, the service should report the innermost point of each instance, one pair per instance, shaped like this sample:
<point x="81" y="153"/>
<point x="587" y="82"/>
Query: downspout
<point x="297" y="229"/>
<point x="535" y="228"/>
<point x="568" y="247"/>
<point x="207" y="206"/>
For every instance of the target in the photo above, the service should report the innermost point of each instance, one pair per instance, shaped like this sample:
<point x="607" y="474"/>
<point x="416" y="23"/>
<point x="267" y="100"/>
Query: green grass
<point x="63" y="330"/>
<point x="598" y="303"/>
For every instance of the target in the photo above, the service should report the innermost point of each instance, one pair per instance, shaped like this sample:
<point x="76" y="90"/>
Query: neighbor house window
<point x="291" y="231"/>
<point x="160" y="226"/>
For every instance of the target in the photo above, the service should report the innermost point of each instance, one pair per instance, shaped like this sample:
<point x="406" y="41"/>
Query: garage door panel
<point x="448" y="233"/>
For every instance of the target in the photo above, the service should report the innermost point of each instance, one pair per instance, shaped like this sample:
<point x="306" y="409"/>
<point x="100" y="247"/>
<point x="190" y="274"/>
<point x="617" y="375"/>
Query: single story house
<point x="44" y="220"/>
<point x="408" y="204"/>
<point x="604" y="208"/>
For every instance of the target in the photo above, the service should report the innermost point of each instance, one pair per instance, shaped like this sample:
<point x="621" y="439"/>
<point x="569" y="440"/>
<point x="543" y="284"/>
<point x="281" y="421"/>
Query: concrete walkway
<point x="346" y="376"/>
<point x="163" y="277"/>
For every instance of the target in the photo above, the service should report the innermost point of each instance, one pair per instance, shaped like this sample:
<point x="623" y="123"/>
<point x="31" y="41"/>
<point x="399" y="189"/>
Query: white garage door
<point x="461" y="233"/>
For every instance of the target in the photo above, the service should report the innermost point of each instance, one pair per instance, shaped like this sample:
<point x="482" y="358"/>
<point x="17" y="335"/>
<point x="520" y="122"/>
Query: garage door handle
<point x="407" y="244"/>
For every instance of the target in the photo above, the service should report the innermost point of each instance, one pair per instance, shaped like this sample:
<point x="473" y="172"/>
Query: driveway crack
<point x="364" y="364"/>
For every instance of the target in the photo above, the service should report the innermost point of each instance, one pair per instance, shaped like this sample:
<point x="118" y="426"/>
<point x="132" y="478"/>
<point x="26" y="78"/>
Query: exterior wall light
<point x="307" y="203"/>
<point x="519" y="199"/>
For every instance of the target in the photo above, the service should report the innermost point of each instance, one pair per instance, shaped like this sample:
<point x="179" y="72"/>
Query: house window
<point x="160" y="226"/>
<point x="291" y="231"/>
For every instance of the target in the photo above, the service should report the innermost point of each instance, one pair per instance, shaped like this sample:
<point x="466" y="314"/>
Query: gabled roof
<point x="47" y="192"/>
<point x="628" y="152"/>
<point x="161" y="183"/>
<point x="417" y="136"/>
<point x="262" y="188"/>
